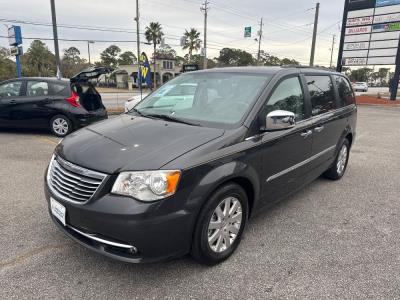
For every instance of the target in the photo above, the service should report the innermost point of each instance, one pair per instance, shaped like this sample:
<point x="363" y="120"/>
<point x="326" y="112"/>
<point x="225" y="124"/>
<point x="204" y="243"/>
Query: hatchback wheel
<point x="220" y="225"/>
<point x="338" y="168"/>
<point x="60" y="126"/>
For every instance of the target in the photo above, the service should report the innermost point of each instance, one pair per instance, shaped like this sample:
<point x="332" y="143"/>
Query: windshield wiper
<point x="171" y="118"/>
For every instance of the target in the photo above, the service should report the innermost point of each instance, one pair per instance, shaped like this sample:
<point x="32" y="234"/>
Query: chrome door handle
<point x="306" y="134"/>
<point x="319" y="128"/>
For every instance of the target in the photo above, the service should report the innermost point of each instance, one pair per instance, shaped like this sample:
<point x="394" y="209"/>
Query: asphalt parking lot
<point x="331" y="240"/>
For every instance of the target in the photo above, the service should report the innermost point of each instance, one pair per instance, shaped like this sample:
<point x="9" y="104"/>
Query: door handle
<point x="319" y="128"/>
<point x="12" y="102"/>
<point x="306" y="134"/>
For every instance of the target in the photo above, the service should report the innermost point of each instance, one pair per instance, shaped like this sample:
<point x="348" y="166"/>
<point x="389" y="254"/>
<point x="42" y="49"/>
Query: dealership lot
<point x="331" y="240"/>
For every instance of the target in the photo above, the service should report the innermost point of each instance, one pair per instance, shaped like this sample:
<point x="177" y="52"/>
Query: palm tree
<point x="192" y="42"/>
<point x="154" y="35"/>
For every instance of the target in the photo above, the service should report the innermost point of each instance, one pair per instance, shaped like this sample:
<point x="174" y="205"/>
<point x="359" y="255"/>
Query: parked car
<point x="176" y="176"/>
<point x="133" y="101"/>
<point x="59" y="105"/>
<point x="361" y="87"/>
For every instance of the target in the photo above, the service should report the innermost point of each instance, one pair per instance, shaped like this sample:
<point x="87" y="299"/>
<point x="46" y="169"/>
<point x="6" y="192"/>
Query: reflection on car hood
<point x="133" y="143"/>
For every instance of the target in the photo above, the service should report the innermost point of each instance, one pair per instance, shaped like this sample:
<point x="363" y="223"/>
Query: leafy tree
<point x="198" y="60"/>
<point x="72" y="63"/>
<point x="362" y="74"/>
<point x="7" y="66"/>
<point x="154" y="35"/>
<point x="289" y="62"/>
<point x="165" y="52"/>
<point x="38" y="60"/>
<point x="235" y="57"/>
<point x="109" y="57"/>
<point x="127" y="58"/>
<point x="192" y="42"/>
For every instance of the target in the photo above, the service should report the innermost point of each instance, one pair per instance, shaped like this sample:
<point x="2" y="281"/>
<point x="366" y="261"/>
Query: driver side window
<point x="288" y="96"/>
<point x="11" y="89"/>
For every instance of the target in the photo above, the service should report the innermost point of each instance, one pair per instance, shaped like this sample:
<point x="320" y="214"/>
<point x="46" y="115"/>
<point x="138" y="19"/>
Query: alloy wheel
<point x="60" y="126"/>
<point x="225" y="224"/>
<point x="342" y="160"/>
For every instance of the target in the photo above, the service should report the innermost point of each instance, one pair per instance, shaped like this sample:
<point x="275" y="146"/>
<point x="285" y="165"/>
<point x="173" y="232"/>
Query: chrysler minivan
<point x="179" y="175"/>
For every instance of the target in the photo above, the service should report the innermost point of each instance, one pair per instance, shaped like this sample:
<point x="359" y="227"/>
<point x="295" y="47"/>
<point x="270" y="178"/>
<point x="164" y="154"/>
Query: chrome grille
<point x="71" y="182"/>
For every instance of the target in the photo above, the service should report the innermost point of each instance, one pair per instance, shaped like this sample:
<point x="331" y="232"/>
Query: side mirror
<point x="280" y="120"/>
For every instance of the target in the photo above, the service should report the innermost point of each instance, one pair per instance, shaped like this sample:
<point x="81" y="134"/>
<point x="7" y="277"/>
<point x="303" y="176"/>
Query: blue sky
<point x="287" y="30"/>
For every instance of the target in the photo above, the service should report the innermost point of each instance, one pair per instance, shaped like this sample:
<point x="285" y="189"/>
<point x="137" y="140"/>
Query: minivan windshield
<point x="217" y="99"/>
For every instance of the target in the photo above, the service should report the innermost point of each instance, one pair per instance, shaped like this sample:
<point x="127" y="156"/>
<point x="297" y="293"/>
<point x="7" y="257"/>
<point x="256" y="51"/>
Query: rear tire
<point x="220" y="225"/>
<point x="60" y="126"/>
<point x="338" y="168"/>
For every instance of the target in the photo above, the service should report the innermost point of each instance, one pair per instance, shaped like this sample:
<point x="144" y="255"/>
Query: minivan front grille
<point x="71" y="182"/>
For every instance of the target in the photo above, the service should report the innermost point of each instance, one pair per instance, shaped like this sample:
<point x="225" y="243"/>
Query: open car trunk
<point x="89" y="98"/>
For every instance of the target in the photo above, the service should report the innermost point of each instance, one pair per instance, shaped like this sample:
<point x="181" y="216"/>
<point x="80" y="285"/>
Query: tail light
<point x="73" y="100"/>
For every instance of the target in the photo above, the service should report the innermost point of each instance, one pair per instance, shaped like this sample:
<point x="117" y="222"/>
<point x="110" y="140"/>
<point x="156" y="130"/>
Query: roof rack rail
<point x="308" y="67"/>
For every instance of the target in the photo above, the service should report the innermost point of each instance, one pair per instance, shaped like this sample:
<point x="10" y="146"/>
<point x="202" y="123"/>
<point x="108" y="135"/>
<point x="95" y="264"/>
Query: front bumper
<point x="154" y="230"/>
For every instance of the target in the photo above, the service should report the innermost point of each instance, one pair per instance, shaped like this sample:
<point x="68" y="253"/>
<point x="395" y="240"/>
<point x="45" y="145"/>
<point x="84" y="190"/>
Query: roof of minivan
<point x="269" y="70"/>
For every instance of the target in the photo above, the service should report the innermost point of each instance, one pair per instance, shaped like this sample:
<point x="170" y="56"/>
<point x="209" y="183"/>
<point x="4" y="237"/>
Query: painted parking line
<point x="49" y="140"/>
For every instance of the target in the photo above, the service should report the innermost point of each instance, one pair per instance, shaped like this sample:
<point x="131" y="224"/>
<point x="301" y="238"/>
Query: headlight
<point x="147" y="185"/>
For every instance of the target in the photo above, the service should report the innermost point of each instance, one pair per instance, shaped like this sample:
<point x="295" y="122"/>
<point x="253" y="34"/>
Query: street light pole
<point x="55" y="36"/>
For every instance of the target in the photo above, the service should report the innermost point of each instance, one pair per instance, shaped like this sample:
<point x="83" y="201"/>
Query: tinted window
<point x="288" y="96"/>
<point x="322" y="94"/>
<point x="345" y="93"/>
<point x="37" y="89"/>
<point x="59" y="89"/>
<point x="11" y="89"/>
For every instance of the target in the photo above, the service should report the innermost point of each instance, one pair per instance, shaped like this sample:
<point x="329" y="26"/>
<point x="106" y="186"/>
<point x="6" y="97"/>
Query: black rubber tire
<point x="333" y="173"/>
<point x="201" y="250"/>
<point x="70" y="128"/>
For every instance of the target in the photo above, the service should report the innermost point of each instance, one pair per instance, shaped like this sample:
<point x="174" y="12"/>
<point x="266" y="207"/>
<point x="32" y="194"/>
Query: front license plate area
<point x="58" y="210"/>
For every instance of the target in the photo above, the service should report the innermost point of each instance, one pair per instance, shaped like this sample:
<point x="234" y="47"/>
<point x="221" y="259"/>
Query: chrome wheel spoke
<point x="224" y="225"/>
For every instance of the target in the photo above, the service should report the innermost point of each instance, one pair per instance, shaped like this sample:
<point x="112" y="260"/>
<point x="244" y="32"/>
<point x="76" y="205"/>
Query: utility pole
<point x="139" y="80"/>
<point x="204" y="8"/>
<point x="332" y="49"/>
<point x="314" y="41"/>
<point x="55" y="36"/>
<point x="260" y="33"/>
<point x="88" y="49"/>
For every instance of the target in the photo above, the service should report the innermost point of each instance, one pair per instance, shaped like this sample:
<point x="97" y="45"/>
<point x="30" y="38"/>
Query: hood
<point x="132" y="143"/>
<point x="91" y="73"/>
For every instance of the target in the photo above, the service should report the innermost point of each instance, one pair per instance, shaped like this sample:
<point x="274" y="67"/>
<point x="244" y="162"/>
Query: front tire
<point x="60" y="126"/>
<point x="220" y="225"/>
<point x="339" y="166"/>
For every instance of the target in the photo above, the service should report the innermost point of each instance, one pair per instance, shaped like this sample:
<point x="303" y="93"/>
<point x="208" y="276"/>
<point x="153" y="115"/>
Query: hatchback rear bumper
<point x="85" y="119"/>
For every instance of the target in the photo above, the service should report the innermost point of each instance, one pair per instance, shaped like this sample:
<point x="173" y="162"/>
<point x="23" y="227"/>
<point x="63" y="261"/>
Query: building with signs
<point x="370" y="34"/>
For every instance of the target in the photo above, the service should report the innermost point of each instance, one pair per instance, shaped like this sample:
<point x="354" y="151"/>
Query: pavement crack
<point x="20" y="258"/>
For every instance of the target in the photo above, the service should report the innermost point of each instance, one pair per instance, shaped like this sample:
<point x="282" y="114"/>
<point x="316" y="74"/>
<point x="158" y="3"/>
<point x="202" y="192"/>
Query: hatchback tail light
<point x="73" y="100"/>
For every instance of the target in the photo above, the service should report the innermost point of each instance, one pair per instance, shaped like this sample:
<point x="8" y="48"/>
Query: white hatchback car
<point x="131" y="102"/>
<point x="360" y="87"/>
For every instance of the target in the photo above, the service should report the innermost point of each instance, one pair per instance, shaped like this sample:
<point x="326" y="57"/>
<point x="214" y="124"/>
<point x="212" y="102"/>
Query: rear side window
<point x="346" y="95"/>
<point x="10" y="89"/>
<point x="59" y="89"/>
<point x="322" y="94"/>
<point x="37" y="89"/>
<point x="288" y="96"/>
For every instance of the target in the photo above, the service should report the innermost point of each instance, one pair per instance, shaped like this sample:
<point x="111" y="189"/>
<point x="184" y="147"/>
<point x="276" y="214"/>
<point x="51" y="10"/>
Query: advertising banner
<point x="356" y="46"/>
<point x="360" y="21"/>
<point x="387" y="18"/>
<point x="358" y="30"/>
<point x="355" y="61"/>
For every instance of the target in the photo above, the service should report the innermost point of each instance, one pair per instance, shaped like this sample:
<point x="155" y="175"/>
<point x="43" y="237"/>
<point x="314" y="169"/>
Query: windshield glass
<point x="206" y="99"/>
